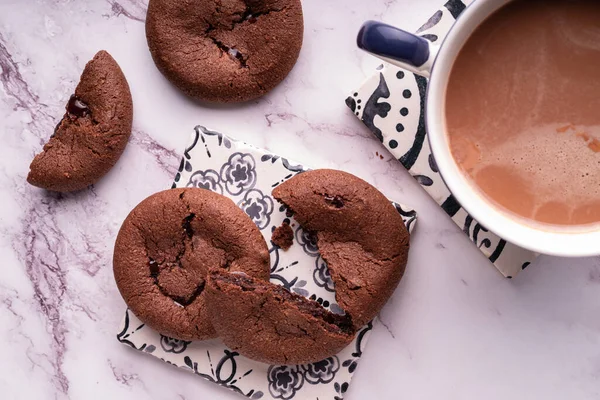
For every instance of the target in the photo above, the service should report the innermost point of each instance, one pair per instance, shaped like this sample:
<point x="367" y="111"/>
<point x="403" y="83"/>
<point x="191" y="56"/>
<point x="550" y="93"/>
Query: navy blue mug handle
<point x="396" y="46"/>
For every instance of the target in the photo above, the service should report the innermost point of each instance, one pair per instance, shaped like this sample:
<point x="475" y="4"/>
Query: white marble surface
<point x="455" y="329"/>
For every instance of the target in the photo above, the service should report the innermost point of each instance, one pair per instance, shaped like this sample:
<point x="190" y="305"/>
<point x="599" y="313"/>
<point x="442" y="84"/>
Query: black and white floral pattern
<point x="224" y="373"/>
<point x="284" y="381"/>
<point x="247" y="175"/>
<point x="392" y="105"/>
<point x="321" y="275"/>
<point x="409" y="216"/>
<point x="209" y="180"/>
<point x="308" y="241"/>
<point x="258" y="206"/>
<point x="239" y="173"/>
<point x="170" y="345"/>
<point x="321" y="372"/>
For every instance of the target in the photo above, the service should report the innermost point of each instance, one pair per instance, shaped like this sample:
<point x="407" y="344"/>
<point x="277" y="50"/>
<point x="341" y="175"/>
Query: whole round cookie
<point x="92" y="134"/>
<point x="268" y="323"/>
<point x="165" y="248"/>
<point x="360" y="235"/>
<point x="225" y="50"/>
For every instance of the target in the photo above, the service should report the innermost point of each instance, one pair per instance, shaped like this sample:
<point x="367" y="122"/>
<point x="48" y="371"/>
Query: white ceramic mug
<point x="435" y="62"/>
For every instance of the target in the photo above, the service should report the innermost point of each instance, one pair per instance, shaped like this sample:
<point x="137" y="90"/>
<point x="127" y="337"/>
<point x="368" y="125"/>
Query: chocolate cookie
<point x="165" y="248"/>
<point x="359" y="233"/>
<point x="93" y="133"/>
<point x="267" y="323"/>
<point x="225" y="50"/>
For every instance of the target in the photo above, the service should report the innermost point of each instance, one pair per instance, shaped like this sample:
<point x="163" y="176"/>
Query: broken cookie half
<point x="265" y="322"/>
<point x="92" y="134"/>
<point x="359" y="233"/>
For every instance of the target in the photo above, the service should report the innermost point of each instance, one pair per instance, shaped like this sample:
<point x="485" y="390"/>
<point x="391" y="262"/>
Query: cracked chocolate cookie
<point x="225" y="50"/>
<point x="165" y="248"/>
<point x="92" y="134"/>
<point x="359" y="233"/>
<point x="267" y="323"/>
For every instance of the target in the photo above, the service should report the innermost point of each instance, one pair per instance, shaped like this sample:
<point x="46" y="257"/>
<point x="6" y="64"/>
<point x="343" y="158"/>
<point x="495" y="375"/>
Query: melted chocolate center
<point x="335" y="201"/>
<point x="77" y="107"/>
<point x="235" y="53"/>
<point x="154" y="268"/>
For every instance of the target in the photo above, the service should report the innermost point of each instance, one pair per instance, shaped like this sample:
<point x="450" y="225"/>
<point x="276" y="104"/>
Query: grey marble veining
<point x="455" y="329"/>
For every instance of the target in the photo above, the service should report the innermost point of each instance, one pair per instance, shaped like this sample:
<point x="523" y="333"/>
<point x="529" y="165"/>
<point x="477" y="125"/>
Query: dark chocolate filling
<point x="336" y="201"/>
<point x="154" y="268"/>
<point x="248" y="16"/>
<point x="252" y="16"/>
<point x="235" y="53"/>
<point x="77" y="107"/>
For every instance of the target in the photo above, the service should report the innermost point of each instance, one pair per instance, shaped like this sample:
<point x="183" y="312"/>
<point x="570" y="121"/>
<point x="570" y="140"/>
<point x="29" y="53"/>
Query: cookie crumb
<point x="283" y="236"/>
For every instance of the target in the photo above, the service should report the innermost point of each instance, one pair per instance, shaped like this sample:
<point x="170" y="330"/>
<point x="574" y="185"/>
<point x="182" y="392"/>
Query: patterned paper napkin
<point x="392" y="105"/>
<point x="247" y="175"/>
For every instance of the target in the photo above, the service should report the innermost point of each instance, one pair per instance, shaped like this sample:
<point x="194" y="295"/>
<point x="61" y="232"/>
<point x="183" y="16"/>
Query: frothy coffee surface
<point x="523" y="109"/>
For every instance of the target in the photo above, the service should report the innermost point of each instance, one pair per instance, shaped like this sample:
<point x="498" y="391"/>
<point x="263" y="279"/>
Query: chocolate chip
<point x="77" y="107"/>
<point x="154" y="268"/>
<point x="335" y="201"/>
<point x="235" y="53"/>
<point x="250" y="16"/>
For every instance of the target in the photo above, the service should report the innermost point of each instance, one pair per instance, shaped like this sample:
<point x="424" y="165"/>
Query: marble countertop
<point x="455" y="329"/>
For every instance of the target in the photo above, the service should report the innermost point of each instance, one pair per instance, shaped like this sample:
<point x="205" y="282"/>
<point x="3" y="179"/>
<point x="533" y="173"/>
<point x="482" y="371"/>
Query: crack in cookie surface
<point x="180" y="279"/>
<point x="167" y="245"/>
<point x="225" y="51"/>
<point x="360" y="236"/>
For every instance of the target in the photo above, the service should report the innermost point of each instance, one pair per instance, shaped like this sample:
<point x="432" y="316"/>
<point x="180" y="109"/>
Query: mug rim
<point x="568" y="241"/>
